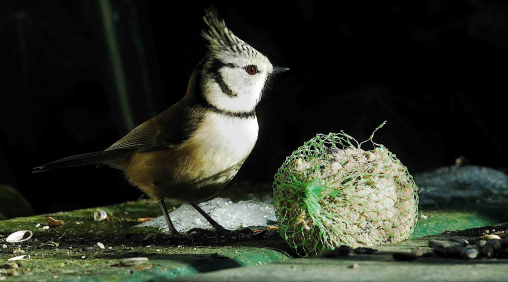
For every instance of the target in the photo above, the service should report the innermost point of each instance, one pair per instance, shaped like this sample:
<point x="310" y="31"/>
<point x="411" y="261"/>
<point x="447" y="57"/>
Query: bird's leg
<point x="221" y="235"/>
<point x="221" y="231"/>
<point x="214" y="223"/>
<point x="172" y="229"/>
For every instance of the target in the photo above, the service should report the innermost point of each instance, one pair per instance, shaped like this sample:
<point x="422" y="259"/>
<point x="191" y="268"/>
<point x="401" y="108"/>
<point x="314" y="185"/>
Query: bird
<point x="192" y="150"/>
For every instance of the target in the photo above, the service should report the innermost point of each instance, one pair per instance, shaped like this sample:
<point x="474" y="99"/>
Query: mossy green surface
<point x="378" y="266"/>
<point x="461" y="216"/>
<point x="71" y="252"/>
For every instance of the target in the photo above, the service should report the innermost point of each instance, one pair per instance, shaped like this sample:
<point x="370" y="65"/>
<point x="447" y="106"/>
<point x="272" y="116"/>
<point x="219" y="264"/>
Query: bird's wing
<point x="139" y="137"/>
<point x="172" y="127"/>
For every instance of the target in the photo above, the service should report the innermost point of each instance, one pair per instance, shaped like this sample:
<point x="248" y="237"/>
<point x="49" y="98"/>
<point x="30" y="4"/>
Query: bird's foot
<point x="197" y="236"/>
<point x="203" y="236"/>
<point x="180" y="239"/>
<point x="172" y="239"/>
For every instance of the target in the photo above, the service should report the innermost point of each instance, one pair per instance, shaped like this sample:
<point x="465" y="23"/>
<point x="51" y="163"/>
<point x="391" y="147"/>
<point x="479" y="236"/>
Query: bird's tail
<point x="81" y="160"/>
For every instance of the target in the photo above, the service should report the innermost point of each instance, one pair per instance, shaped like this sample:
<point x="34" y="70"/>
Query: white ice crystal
<point x="228" y="214"/>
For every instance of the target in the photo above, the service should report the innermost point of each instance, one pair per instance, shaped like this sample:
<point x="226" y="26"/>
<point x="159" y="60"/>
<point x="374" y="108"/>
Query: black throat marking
<point x="251" y="114"/>
<point x="215" y="66"/>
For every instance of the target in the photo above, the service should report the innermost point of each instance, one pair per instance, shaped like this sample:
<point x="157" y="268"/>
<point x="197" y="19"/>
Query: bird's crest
<point x="221" y="39"/>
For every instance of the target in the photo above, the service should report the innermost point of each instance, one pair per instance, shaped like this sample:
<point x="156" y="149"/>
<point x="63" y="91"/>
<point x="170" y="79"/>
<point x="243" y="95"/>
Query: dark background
<point x="435" y="70"/>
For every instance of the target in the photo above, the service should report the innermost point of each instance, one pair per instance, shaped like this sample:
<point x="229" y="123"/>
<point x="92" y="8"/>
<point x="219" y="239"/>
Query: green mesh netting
<point x="330" y="192"/>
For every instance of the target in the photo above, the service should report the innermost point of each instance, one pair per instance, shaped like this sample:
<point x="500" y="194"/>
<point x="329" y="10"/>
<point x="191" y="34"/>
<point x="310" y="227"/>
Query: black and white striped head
<point x="233" y="74"/>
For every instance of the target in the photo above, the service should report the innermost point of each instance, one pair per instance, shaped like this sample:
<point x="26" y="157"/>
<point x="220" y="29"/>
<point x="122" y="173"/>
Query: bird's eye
<point x="252" y="69"/>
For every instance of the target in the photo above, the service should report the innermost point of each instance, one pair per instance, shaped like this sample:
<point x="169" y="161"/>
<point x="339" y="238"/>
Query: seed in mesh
<point x="330" y="193"/>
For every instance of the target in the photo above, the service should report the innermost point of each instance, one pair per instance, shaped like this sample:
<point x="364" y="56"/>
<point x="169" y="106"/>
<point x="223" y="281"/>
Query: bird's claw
<point x="203" y="236"/>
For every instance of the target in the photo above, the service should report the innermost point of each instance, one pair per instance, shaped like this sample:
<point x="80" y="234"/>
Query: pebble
<point x="341" y="251"/>
<point x="133" y="261"/>
<point x="345" y="250"/>
<point x="488" y="251"/>
<point x="490" y="237"/>
<point x="361" y="251"/>
<point x="439" y="247"/>
<point x="459" y="240"/>
<point x="330" y="253"/>
<point x="454" y="251"/>
<point x="419" y="252"/>
<point x="354" y="266"/>
<point x="437" y="244"/>
<point x="480" y="244"/>
<point x="451" y="248"/>
<point x="470" y="252"/>
<point x="487" y="246"/>
<point x="500" y="244"/>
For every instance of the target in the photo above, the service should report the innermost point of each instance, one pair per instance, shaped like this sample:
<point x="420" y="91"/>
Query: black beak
<point x="277" y="70"/>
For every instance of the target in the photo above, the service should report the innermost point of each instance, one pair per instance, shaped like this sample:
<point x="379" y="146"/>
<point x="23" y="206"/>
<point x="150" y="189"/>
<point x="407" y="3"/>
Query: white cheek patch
<point x="246" y="90"/>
